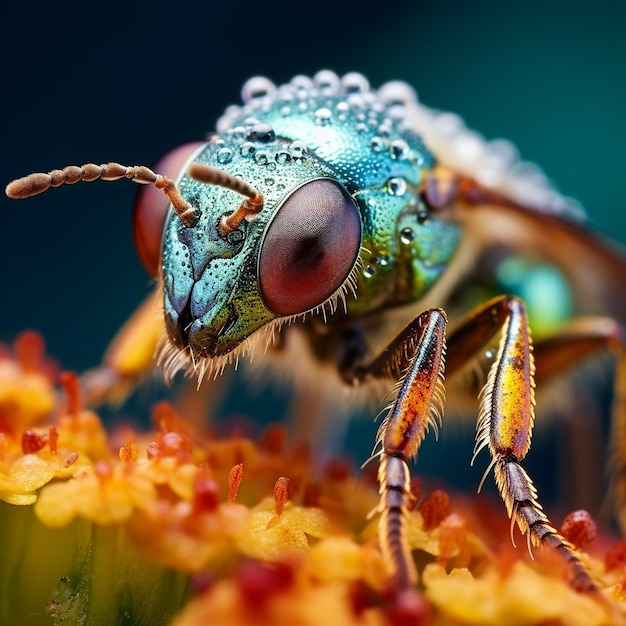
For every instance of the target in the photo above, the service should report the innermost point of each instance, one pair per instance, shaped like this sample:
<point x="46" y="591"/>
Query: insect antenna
<point x="250" y="206"/>
<point x="39" y="182"/>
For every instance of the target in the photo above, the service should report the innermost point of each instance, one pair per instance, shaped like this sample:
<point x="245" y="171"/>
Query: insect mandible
<point x="335" y="223"/>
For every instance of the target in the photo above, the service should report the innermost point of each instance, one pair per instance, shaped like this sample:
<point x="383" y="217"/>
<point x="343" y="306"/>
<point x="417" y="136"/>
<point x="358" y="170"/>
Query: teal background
<point x="127" y="82"/>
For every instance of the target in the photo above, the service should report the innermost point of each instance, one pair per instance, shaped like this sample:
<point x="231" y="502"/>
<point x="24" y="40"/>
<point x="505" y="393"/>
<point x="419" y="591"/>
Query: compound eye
<point x="151" y="205"/>
<point x="310" y="247"/>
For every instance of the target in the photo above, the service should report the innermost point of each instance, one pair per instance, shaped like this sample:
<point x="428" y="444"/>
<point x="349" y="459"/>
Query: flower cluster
<point x="174" y="526"/>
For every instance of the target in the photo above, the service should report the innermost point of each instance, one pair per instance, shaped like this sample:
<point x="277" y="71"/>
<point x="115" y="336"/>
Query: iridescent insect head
<point x="332" y="176"/>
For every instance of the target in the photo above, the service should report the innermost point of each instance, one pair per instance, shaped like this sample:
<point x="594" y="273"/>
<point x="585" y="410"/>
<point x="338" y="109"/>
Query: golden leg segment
<point x="505" y="425"/>
<point x="416" y="407"/>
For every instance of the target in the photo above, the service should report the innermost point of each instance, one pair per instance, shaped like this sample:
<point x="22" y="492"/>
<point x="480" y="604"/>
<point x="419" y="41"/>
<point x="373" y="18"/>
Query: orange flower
<point x="175" y="527"/>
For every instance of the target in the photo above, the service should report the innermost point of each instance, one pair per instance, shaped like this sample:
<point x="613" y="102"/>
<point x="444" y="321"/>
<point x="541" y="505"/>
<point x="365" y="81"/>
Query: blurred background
<point x="124" y="83"/>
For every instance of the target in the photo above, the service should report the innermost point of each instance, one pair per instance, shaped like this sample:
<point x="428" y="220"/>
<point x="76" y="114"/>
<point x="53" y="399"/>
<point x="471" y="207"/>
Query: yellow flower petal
<point x="520" y="597"/>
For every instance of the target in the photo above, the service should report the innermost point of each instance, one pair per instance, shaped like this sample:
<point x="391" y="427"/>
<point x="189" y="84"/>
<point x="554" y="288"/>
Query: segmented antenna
<point x="39" y="182"/>
<point x="250" y="206"/>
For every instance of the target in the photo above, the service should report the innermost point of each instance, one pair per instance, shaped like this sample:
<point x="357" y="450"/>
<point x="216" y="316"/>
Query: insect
<point x="342" y="227"/>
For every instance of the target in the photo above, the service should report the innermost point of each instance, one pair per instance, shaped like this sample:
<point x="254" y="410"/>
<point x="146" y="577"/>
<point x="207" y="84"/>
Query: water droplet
<point x="384" y="130"/>
<point x="323" y="116"/>
<point x="261" y="158"/>
<point x="297" y="149"/>
<point x="353" y="82"/>
<point x="469" y="146"/>
<point x="224" y="155"/>
<point x="257" y="87"/>
<point x="422" y="215"/>
<point x="502" y="152"/>
<point x="343" y="109"/>
<point x="356" y="101"/>
<point x="285" y="93"/>
<point x="449" y="124"/>
<point x="396" y="186"/>
<point x="238" y="133"/>
<point x="369" y="271"/>
<point x="282" y="157"/>
<point x="285" y="111"/>
<point x="247" y="148"/>
<point x="406" y="236"/>
<point x="269" y="181"/>
<point x="396" y="112"/>
<point x="326" y="80"/>
<point x="399" y="149"/>
<point x="361" y="127"/>
<point x="377" y="144"/>
<point x="302" y="82"/>
<point x="227" y="119"/>
<point x="397" y="92"/>
<point x="261" y="132"/>
<point x="303" y="106"/>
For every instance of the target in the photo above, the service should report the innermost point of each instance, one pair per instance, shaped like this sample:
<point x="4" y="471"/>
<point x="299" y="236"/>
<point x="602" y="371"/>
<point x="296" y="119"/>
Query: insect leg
<point x="504" y="426"/>
<point x="130" y="356"/>
<point x="417" y="405"/>
<point x="580" y="340"/>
